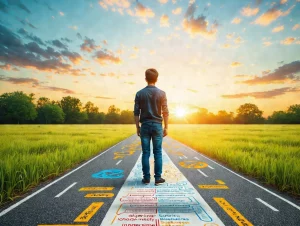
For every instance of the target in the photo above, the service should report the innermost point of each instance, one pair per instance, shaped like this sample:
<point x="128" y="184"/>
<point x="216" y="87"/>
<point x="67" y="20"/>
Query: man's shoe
<point x="146" y="181"/>
<point x="159" y="181"/>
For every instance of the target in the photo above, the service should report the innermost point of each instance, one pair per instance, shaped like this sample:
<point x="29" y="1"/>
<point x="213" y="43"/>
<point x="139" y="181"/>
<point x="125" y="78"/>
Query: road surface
<point x="107" y="190"/>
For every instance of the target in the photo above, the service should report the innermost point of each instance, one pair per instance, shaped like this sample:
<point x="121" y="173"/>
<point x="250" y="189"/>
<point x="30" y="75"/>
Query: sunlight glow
<point x="180" y="112"/>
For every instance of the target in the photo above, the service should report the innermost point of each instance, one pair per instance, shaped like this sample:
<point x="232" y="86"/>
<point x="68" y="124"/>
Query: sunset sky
<point x="209" y="54"/>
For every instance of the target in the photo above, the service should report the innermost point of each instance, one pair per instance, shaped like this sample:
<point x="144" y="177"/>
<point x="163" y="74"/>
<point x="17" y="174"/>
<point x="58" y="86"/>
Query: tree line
<point x="18" y="107"/>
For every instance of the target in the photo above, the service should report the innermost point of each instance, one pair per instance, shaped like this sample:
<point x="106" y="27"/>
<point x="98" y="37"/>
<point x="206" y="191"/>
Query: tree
<point x="249" y="113"/>
<point x="42" y="101"/>
<point x="224" y="118"/>
<point x="293" y="113"/>
<point x="72" y="108"/>
<point x="51" y="113"/>
<point x="126" y="117"/>
<point x="112" y="116"/>
<point x="93" y="113"/>
<point x="17" y="107"/>
<point x="279" y="117"/>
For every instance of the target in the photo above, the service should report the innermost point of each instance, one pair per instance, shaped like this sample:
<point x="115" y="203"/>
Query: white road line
<point x="210" y="167"/>
<point x="185" y="156"/>
<point x="278" y="196"/>
<point x="118" y="162"/>
<point x="202" y="173"/>
<point x="196" y="158"/>
<point x="43" y="188"/>
<point x="267" y="204"/>
<point x="65" y="190"/>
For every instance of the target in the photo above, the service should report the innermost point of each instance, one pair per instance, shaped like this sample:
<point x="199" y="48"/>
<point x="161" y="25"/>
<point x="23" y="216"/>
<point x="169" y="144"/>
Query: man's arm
<point x="165" y="112"/>
<point x="137" y="114"/>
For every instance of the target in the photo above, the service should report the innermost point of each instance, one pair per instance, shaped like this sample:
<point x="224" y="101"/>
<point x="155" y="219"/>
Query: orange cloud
<point x="226" y="45"/>
<point x="278" y="29"/>
<point x="296" y="26"/>
<point x="148" y="31"/>
<point x="239" y="40"/>
<point x="177" y="11"/>
<point x="103" y="58"/>
<point x="288" y="41"/>
<point x="236" y="20"/>
<point x="236" y="64"/>
<point x="163" y="1"/>
<point x="248" y="11"/>
<point x="142" y="11"/>
<point x="267" y="43"/>
<point x="271" y="15"/>
<point x="164" y="21"/>
<point x="283" y="1"/>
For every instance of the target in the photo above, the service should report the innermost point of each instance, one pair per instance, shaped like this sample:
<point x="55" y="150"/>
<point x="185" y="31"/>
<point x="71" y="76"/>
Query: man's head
<point x="151" y="75"/>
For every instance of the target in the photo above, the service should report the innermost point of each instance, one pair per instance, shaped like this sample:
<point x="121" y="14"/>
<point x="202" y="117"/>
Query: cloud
<point x="236" y="64"/>
<point x="34" y="83"/>
<point x="79" y="35"/>
<point x="248" y="11"/>
<point x="104" y="42"/>
<point x="110" y="74"/>
<point x="271" y="15"/>
<point x="104" y="57"/>
<point x="229" y="36"/>
<point x="108" y="98"/>
<point x="135" y="48"/>
<point x="243" y="76"/>
<point x="48" y="6"/>
<point x="267" y="43"/>
<point x="19" y="4"/>
<point x="115" y="3"/>
<point x="142" y="11"/>
<point x="226" y="46"/>
<point x="177" y="11"/>
<point x="278" y="29"/>
<point x="148" y="31"/>
<point x="163" y="1"/>
<point x="264" y="94"/>
<point x="236" y="20"/>
<point x="73" y="27"/>
<point x="296" y="26"/>
<point x="74" y="57"/>
<point x="283" y="1"/>
<point x="130" y="83"/>
<point x="58" y="44"/>
<point x="199" y="25"/>
<point x="152" y="52"/>
<point x="89" y="45"/>
<point x="192" y="90"/>
<point x="66" y="40"/>
<point x="26" y="22"/>
<point x="164" y="21"/>
<point x="32" y="37"/>
<point x="284" y="73"/>
<point x="3" y="7"/>
<point x="239" y="40"/>
<point x="61" y="13"/>
<point x="289" y="41"/>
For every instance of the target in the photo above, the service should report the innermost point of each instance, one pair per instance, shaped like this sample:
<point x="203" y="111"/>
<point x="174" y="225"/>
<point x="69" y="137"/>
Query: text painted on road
<point x="213" y="186"/>
<point x="99" y="195"/>
<point x="89" y="212"/>
<point x="96" y="189"/>
<point x="193" y="164"/>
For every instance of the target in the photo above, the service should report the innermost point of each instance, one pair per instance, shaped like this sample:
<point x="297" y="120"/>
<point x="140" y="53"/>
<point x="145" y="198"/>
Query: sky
<point x="209" y="54"/>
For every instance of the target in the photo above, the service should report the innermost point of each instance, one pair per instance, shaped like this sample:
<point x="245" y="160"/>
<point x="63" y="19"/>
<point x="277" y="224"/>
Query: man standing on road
<point x="149" y="104"/>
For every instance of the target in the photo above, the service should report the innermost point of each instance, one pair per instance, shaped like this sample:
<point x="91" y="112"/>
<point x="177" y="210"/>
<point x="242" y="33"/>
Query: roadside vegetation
<point x="270" y="153"/>
<point x="34" y="153"/>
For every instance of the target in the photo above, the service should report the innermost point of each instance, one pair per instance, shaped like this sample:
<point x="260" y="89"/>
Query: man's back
<point x="150" y="104"/>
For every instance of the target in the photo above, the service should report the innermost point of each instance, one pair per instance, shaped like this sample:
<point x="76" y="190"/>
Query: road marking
<point x="57" y="196"/>
<point x="89" y="212"/>
<point x="232" y="212"/>
<point x="96" y="189"/>
<point x="185" y="156"/>
<point x="267" y="204"/>
<point x="210" y="167"/>
<point x="118" y="162"/>
<point x="42" y="189"/>
<point x="220" y="182"/>
<point x="99" y="195"/>
<point x="139" y="204"/>
<point x="213" y="186"/>
<point x="202" y="173"/>
<point x="196" y="158"/>
<point x="193" y="164"/>
<point x="272" y="193"/>
<point x="63" y="224"/>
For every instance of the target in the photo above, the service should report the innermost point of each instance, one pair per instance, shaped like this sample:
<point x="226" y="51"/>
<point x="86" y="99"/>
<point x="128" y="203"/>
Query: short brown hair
<point x="151" y="75"/>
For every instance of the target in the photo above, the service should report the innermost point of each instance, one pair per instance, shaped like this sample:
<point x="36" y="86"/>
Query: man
<point x="150" y="103"/>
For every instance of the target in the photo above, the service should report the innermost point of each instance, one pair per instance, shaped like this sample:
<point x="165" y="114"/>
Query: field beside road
<point x="34" y="153"/>
<point x="269" y="153"/>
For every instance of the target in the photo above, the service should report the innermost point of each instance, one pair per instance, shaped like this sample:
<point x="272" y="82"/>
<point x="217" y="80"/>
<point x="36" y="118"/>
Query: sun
<point x="180" y="112"/>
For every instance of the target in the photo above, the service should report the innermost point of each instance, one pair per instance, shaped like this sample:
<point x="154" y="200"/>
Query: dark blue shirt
<point x="150" y="103"/>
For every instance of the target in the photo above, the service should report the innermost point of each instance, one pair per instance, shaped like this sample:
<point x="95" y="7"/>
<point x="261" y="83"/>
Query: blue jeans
<point x="154" y="131"/>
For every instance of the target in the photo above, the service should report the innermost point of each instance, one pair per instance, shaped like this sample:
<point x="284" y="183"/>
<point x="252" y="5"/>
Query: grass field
<point x="34" y="153"/>
<point x="270" y="153"/>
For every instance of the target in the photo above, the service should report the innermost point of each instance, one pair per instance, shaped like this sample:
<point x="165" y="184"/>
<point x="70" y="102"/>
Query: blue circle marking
<point x="109" y="174"/>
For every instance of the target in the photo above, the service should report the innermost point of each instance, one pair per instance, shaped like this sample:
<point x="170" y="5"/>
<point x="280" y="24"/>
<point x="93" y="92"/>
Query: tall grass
<point x="30" y="154"/>
<point x="270" y="153"/>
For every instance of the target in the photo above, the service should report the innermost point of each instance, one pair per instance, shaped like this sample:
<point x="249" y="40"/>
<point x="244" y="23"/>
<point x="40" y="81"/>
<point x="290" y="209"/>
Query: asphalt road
<point x="107" y="190"/>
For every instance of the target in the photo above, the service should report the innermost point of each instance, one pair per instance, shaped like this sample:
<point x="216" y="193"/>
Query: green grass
<point x="34" y="153"/>
<point x="270" y="153"/>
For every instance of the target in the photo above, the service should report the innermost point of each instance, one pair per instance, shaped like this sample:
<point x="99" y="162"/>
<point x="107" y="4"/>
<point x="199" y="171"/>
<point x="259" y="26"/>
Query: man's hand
<point x="165" y="132"/>
<point x="138" y="131"/>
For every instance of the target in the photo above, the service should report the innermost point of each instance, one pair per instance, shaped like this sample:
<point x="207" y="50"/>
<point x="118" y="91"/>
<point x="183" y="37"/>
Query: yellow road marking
<point x="232" y="212"/>
<point x="193" y="164"/>
<point x="63" y="224"/>
<point x="220" y="182"/>
<point x="116" y="215"/>
<point x="96" y="189"/>
<point x="89" y="212"/>
<point x="213" y="186"/>
<point x="100" y="195"/>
